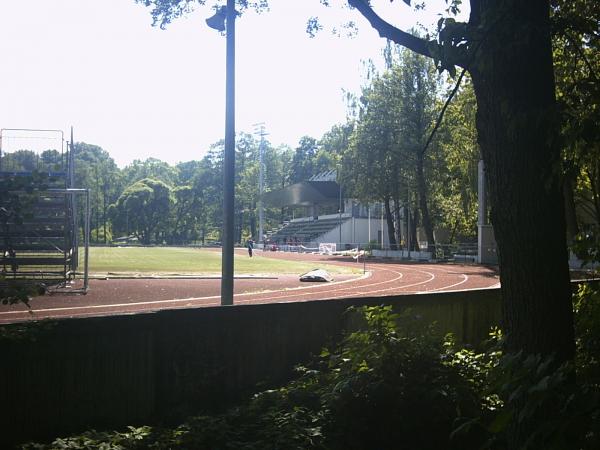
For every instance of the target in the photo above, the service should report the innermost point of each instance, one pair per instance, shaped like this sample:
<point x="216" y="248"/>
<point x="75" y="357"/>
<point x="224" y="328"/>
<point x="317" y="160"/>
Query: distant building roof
<point x="305" y="193"/>
<point x="329" y="175"/>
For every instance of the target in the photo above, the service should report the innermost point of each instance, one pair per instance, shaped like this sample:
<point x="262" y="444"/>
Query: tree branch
<point x="441" y="116"/>
<point x="388" y="31"/>
<point x="582" y="54"/>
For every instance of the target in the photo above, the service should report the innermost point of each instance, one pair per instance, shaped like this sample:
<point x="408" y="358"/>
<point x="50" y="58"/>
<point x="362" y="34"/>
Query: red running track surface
<point x="127" y="296"/>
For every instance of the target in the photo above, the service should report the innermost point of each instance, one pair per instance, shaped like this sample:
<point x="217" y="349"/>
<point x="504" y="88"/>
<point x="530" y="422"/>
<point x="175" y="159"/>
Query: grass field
<point x="191" y="261"/>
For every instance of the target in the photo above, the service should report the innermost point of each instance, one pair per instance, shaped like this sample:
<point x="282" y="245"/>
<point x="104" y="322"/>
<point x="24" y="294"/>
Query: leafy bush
<point x="587" y="245"/>
<point x="395" y="384"/>
<point x="13" y="292"/>
<point x="558" y="406"/>
<point x="390" y="384"/>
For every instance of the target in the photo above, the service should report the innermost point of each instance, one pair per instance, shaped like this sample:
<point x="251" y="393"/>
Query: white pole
<point x="369" y="219"/>
<point x="408" y="235"/>
<point x="382" y="229"/>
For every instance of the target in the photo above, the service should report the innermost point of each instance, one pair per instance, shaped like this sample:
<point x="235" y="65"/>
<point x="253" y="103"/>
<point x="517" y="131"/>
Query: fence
<point x="108" y="372"/>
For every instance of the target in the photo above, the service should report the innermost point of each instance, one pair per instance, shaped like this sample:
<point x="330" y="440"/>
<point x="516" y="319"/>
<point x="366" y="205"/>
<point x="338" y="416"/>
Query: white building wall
<point x="354" y="232"/>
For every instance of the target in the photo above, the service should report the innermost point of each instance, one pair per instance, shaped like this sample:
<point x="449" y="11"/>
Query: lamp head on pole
<point x="217" y="21"/>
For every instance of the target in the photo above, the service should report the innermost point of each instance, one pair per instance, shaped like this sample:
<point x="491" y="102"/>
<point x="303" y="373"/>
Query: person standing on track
<point x="250" y="245"/>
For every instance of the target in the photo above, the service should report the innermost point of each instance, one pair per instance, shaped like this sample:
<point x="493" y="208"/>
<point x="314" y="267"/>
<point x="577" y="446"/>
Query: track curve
<point x="129" y="296"/>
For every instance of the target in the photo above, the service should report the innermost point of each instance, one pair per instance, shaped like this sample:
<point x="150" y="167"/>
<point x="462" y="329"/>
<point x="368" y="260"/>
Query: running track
<point x="128" y="296"/>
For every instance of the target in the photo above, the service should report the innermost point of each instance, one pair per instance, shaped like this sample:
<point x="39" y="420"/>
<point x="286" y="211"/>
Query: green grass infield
<point x="193" y="261"/>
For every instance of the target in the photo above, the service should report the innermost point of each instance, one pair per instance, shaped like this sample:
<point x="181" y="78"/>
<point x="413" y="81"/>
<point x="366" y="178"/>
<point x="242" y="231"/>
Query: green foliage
<point x="576" y="45"/>
<point x="17" y="195"/>
<point x="454" y="183"/>
<point x="144" y="208"/>
<point x="545" y="400"/>
<point x="303" y="161"/>
<point x="96" y="170"/>
<point x="558" y="405"/>
<point x="395" y="383"/>
<point x="587" y="245"/>
<point x="12" y="293"/>
<point x="391" y="381"/>
<point x="26" y="331"/>
<point x="17" y="198"/>
<point x="587" y="330"/>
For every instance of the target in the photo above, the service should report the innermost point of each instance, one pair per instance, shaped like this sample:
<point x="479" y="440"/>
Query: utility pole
<point x="226" y="15"/>
<point x="259" y="128"/>
<point x="408" y="230"/>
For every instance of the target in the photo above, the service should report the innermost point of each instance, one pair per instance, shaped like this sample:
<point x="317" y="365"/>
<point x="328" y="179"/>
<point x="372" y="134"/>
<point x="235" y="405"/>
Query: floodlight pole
<point x="229" y="161"/>
<point x="338" y="179"/>
<point x="260" y="130"/>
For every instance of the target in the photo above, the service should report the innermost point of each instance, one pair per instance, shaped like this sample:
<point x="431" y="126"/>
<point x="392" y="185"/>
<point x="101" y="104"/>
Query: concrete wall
<point x="355" y="231"/>
<point x="108" y="372"/>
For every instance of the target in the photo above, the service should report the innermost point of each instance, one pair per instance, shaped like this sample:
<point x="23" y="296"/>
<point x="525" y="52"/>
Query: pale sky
<point x="139" y="91"/>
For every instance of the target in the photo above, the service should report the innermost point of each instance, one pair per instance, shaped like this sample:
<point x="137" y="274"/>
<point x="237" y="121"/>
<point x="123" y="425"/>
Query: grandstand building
<point x="328" y="217"/>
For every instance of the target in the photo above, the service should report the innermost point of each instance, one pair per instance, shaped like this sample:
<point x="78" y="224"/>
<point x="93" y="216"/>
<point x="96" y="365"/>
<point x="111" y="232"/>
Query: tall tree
<point x="303" y="162"/>
<point x="98" y="172"/>
<point x="387" y="159"/>
<point x="150" y="168"/>
<point x="506" y="47"/>
<point x="371" y="169"/>
<point x="455" y="167"/>
<point x="416" y="98"/>
<point x="576" y="44"/>
<point x="144" y="209"/>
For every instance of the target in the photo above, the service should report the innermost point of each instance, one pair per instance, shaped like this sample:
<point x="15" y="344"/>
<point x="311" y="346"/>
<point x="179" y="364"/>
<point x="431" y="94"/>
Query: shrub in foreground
<point x="395" y="384"/>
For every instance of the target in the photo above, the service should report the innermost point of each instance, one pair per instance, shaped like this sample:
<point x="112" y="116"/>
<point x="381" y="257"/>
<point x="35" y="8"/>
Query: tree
<point x="20" y="160"/>
<point x="416" y="97"/>
<point x="144" y="209"/>
<point x="277" y="176"/>
<point x="455" y="179"/>
<point x="98" y="172"/>
<point x="506" y="48"/>
<point x="303" y="162"/>
<point x="371" y="167"/>
<point x="576" y="42"/>
<point x="150" y="168"/>
<point x="387" y="160"/>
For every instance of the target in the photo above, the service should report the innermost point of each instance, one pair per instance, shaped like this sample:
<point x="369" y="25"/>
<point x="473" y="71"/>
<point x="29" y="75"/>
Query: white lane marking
<point x="175" y="300"/>
<point x="464" y="280"/>
<point x="201" y="301"/>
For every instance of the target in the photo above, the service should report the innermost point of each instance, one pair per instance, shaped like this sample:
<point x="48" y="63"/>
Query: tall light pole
<point x="338" y="179"/>
<point x="226" y="16"/>
<point x="260" y="130"/>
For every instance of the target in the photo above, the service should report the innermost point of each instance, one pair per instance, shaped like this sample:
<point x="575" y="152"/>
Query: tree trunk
<point x="570" y="214"/>
<point x="390" y="224"/>
<point x="422" y="193"/>
<point x="104" y="212"/>
<point x="414" y="236"/>
<point x="397" y="220"/>
<point x="514" y="87"/>
<point x="254" y="211"/>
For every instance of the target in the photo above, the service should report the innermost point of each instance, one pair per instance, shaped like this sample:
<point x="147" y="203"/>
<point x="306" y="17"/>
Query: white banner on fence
<point x="327" y="248"/>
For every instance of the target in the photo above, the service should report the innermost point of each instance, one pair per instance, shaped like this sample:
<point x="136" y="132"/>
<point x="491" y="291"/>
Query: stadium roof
<point x="306" y="193"/>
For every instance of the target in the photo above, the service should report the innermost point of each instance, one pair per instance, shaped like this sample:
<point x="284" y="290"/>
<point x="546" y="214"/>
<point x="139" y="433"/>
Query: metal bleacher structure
<point x="308" y="231"/>
<point x="39" y="236"/>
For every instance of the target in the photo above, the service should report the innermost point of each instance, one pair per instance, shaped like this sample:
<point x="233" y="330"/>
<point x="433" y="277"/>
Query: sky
<point x="139" y="91"/>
